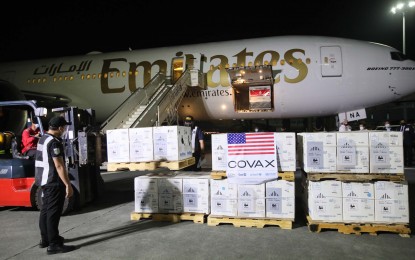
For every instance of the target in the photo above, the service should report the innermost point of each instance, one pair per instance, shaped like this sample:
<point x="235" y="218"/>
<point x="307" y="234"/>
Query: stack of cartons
<point x="173" y="192"/>
<point x="358" y="192"/>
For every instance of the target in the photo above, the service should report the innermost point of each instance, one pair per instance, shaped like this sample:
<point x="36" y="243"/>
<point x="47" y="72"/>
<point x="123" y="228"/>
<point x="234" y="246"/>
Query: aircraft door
<point x="185" y="62"/>
<point x="331" y="61"/>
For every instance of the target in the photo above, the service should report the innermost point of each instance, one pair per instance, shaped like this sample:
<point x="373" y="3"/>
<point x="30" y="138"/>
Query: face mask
<point x="361" y="128"/>
<point x="387" y="125"/>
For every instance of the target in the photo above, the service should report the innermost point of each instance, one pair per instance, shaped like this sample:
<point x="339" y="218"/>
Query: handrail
<point x="139" y="97"/>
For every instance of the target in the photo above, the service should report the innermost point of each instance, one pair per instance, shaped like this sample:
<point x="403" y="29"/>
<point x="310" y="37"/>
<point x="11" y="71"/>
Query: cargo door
<point x="252" y="87"/>
<point x="331" y="61"/>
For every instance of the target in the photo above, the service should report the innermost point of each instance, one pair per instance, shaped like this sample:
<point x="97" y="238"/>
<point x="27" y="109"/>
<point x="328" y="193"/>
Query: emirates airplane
<point x="272" y="77"/>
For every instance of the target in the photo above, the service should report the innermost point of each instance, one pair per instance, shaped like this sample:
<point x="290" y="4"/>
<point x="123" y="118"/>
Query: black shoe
<point x="43" y="244"/>
<point x="59" y="249"/>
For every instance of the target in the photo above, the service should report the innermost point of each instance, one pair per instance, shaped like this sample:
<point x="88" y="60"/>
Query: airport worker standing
<point x="198" y="144"/>
<point x="52" y="176"/>
<point x="387" y="126"/>
<point x="408" y="139"/>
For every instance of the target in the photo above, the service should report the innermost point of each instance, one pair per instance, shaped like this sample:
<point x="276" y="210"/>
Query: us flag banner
<point x="251" y="157"/>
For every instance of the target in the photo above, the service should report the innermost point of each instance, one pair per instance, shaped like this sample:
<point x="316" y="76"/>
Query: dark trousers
<point x="50" y="213"/>
<point x="407" y="154"/>
<point x="194" y="166"/>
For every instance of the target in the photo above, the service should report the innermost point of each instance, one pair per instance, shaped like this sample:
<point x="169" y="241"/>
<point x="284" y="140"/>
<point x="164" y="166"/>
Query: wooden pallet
<point x="359" y="228"/>
<point x="288" y="176"/>
<point x="150" y="166"/>
<point x="355" y="177"/>
<point x="249" y="222"/>
<point x="177" y="165"/>
<point x="171" y="217"/>
<point x="132" y="166"/>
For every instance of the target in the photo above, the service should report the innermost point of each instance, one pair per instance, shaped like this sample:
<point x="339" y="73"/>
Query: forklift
<point x="83" y="154"/>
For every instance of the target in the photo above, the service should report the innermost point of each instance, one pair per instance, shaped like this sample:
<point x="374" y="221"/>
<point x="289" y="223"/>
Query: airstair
<point x="155" y="104"/>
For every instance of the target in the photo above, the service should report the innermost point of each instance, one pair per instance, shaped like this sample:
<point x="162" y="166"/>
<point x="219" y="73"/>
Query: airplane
<point x="268" y="78"/>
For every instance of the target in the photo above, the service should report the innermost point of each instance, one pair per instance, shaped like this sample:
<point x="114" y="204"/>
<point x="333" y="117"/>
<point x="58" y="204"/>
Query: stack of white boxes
<point x="319" y="152"/>
<point x="386" y="152"/>
<point x="172" y="192"/>
<point x="145" y="144"/>
<point x="352" y="152"/>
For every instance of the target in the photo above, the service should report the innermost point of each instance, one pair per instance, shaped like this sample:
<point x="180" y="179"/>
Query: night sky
<point x="43" y="29"/>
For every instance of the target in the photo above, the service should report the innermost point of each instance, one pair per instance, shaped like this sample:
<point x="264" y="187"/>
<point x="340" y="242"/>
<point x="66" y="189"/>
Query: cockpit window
<point x="398" y="56"/>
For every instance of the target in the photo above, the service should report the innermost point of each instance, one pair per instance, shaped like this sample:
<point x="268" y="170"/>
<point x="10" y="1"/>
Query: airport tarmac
<point x="103" y="230"/>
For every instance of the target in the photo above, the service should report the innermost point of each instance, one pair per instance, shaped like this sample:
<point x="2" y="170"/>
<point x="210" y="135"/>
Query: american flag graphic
<point x="251" y="143"/>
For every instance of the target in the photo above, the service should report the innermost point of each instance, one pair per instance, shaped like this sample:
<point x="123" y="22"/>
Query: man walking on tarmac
<point x="52" y="176"/>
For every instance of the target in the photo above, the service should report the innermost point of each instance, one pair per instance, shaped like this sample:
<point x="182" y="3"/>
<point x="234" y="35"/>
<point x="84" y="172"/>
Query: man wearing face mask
<point x="198" y="144"/>
<point x="387" y="126"/>
<point x="52" y="176"/>
<point x="30" y="137"/>
<point x="408" y="140"/>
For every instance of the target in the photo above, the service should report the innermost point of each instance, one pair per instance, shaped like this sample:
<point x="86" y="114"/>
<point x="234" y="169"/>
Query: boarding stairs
<point x="155" y="104"/>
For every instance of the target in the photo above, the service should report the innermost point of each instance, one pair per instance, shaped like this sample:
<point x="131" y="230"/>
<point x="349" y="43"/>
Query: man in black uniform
<point x="408" y="140"/>
<point x="52" y="176"/>
<point x="198" y="145"/>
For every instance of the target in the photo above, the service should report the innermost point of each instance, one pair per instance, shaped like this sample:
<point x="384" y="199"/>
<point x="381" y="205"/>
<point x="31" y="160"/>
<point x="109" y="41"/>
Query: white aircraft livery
<point x="271" y="77"/>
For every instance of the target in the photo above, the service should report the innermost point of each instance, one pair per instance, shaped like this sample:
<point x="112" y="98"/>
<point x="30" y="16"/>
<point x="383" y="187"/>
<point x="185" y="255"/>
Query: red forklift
<point x="83" y="154"/>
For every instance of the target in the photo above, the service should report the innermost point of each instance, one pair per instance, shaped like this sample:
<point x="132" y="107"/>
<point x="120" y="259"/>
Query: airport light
<point x="402" y="7"/>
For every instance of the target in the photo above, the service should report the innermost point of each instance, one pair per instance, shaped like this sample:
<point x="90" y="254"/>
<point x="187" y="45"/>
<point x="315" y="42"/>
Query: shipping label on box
<point x="224" y="207"/>
<point x="250" y="207"/>
<point x="146" y="202"/>
<point x="141" y="144"/>
<point x="223" y="189"/>
<point x="286" y="151"/>
<point x="171" y="203"/>
<point x="283" y="207"/>
<point x="145" y="184"/>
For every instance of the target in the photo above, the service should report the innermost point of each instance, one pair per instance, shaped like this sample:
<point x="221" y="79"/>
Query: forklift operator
<point x="30" y="137"/>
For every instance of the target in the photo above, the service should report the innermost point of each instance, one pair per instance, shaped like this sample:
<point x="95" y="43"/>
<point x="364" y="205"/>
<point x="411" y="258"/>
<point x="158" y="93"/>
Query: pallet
<point x="171" y="217"/>
<point x="177" y="165"/>
<point x="132" y="166"/>
<point x="150" y="166"/>
<point x="250" y="222"/>
<point x="219" y="175"/>
<point x="359" y="228"/>
<point x="355" y="177"/>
